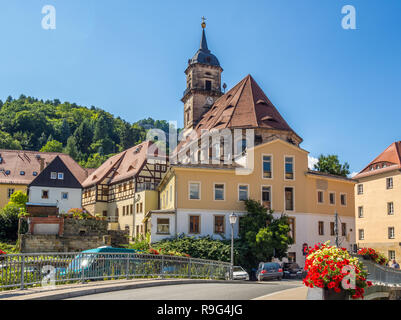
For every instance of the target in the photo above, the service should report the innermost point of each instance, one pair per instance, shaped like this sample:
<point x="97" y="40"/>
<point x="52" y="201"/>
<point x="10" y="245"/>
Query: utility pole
<point x="336" y="228"/>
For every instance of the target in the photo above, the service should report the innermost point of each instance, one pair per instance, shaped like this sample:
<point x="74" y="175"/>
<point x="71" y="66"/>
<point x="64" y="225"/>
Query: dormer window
<point x="22" y="173"/>
<point x="35" y="173"/>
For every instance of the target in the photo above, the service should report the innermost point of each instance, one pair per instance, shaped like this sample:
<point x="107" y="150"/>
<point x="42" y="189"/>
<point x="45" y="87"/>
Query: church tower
<point x="203" y="83"/>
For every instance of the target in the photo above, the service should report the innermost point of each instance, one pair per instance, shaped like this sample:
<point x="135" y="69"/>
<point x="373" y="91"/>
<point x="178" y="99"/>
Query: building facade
<point x="378" y="203"/>
<point x="124" y="187"/>
<point x="58" y="185"/>
<point x="19" y="168"/>
<point x="197" y="200"/>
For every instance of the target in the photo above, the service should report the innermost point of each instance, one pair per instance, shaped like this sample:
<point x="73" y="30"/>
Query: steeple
<point x="203" y="82"/>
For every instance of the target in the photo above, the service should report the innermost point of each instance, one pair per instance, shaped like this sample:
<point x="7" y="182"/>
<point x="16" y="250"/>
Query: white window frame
<point x="391" y="186"/>
<point x="332" y="192"/>
<point x="199" y="191"/>
<point x="48" y="193"/>
<point x="360" y="189"/>
<point x="293" y="198"/>
<point x="361" y="233"/>
<point x="317" y="195"/>
<point x="293" y="167"/>
<point x="392" y="235"/>
<point x="391" y="255"/>
<point x="271" y="166"/>
<point x="271" y="194"/>
<point x="390" y="205"/>
<point x="238" y="189"/>
<point x="60" y="175"/>
<point x="359" y="215"/>
<point x="346" y="200"/>
<point x="53" y="175"/>
<point x="62" y="193"/>
<point x="214" y="191"/>
<point x="157" y="225"/>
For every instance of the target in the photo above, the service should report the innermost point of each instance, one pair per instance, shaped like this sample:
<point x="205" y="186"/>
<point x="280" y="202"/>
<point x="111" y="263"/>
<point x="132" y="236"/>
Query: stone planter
<point x="326" y="294"/>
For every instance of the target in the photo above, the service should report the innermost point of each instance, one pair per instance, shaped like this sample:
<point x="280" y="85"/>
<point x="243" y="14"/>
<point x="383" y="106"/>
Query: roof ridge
<point x="253" y="99"/>
<point x="240" y="90"/>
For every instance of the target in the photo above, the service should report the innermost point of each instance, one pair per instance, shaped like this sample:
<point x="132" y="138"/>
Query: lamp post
<point x="233" y="221"/>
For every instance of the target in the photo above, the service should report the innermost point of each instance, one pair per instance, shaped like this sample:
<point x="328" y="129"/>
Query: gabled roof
<point x="389" y="159"/>
<point x="244" y="106"/>
<point x="15" y="162"/>
<point x="123" y="165"/>
<point x="74" y="174"/>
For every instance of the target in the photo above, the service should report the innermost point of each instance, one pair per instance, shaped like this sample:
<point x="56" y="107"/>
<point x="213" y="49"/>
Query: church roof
<point x="203" y="55"/>
<point x="244" y="106"/>
<point x="388" y="160"/>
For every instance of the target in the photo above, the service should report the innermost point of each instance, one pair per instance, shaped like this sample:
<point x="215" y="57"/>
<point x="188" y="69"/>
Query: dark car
<point x="292" y="270"/>
<point x="269" y="271"/>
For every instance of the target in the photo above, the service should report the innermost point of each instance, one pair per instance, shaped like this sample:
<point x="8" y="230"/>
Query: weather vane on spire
<point x="203" y="22"/>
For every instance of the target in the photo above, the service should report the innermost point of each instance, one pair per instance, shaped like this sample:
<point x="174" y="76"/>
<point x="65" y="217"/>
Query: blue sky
<point x="338" y="89"/>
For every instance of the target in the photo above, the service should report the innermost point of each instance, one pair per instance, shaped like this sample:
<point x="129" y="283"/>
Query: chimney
<point x="42" y="164"/>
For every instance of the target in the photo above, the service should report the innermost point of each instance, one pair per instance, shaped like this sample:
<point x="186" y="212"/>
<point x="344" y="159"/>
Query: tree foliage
<point x="331" y="164"/>
<point x="27" y="123"/>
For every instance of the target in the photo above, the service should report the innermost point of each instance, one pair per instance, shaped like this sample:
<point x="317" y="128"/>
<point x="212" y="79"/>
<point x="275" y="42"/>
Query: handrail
<point x="26" y="270"/>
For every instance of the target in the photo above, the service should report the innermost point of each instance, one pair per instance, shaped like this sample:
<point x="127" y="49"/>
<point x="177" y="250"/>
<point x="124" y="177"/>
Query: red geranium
<point x="327" y="267"/>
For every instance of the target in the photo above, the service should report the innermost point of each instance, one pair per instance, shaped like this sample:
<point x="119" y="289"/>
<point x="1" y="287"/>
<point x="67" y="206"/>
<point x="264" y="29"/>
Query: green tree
<point x="8" y="142"/>
<point x="9" y="217"/>
<point x="331" y="164"/>
<point x="52" y="146"/>
<point x="71" y="148"/>
<point x="83" y="136"/>
<point x="263" y="236"/>
<point x="95" y="161"/>
<point x="19" y="199"/>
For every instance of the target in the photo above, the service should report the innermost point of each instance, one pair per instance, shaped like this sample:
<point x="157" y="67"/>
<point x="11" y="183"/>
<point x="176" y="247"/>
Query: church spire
<point x="203" y="44"/>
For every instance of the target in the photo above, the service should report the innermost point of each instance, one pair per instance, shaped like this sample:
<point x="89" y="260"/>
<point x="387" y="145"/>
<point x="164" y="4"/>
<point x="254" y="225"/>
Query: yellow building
<point x="378" y="203"/>
<point x="197" y="199"/>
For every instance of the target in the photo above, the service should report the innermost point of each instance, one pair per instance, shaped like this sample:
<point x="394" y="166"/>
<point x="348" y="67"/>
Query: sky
<point x="339" y="89"/>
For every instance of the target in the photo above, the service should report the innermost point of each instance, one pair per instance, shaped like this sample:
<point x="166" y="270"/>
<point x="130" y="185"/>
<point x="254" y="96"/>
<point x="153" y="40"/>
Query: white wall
<point x="74" y="197"/>
<point x="306" y="231"/>
<point x="306" y="228"/>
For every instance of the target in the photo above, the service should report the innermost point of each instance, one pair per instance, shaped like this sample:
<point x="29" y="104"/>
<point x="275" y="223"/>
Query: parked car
<point x="292" y="270"/>
<point x="238" y="274"/>
<point x="269" y="271"/>
<point x="96" y="263"/>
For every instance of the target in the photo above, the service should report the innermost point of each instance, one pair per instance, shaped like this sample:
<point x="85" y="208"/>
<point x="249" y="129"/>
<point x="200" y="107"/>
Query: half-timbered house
<point x="123" y="188"/>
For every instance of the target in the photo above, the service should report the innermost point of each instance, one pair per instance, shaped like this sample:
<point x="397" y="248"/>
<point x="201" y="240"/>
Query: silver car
<point x="269" y="271"/>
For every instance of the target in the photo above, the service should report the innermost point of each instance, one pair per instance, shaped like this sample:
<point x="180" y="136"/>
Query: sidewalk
<point x="299" y="293"/>
<point x="77" y="290"/>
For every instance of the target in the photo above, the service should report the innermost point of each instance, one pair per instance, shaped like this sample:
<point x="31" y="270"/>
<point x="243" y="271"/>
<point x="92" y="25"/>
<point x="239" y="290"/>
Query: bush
<point x="202" y="248"/>
<point x="9" y="217"/>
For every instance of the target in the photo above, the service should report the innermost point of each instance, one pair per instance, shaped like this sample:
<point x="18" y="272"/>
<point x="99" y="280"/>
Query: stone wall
<point x="53" y="243"/>
<point x="78" y="235"/>
<point x="74" y="227"/>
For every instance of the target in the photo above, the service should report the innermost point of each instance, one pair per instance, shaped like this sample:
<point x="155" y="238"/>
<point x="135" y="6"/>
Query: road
<point x="204" y="291"/>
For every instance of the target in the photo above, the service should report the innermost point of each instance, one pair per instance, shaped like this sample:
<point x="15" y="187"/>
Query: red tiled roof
<point x="389" y="159"/>
<point x="123" y="165"/>
<point x="244" y="106"/>
<point x="28" y="162"/>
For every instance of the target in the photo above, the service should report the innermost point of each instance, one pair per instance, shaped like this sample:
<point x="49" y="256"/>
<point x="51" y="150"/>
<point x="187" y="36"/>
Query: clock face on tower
<point x="209" y="101"/>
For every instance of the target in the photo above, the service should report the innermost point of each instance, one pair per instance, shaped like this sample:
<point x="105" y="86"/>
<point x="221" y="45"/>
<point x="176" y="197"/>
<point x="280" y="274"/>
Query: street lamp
<point x="233" y="221"/>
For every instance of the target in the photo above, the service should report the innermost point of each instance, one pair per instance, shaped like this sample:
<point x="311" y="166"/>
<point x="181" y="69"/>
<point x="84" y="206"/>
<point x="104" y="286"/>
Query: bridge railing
<point x="381" y="274"/>
<point x="43" y="269"/>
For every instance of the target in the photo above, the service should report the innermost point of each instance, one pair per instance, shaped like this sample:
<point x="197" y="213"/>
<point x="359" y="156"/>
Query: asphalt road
<point x="205" y="291"/>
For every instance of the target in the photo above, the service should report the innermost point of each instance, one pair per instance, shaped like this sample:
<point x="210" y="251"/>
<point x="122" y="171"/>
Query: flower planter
<point x="326" y="294"/>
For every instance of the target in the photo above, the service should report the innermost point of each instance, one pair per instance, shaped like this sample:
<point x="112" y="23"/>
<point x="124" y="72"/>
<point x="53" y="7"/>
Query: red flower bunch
<point x="2" y="252"/>
<point x="333" y="268"/>
<point x="153" y="251"/>
<point x="372" y="254"/>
